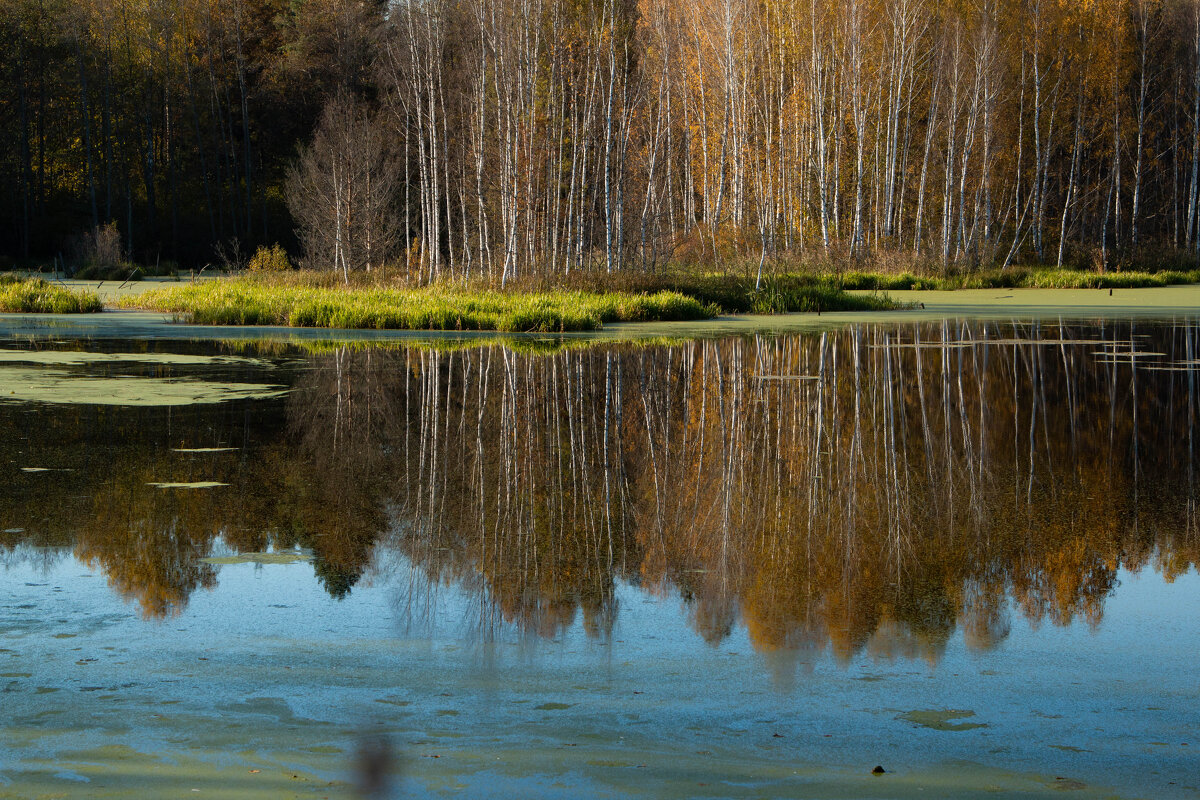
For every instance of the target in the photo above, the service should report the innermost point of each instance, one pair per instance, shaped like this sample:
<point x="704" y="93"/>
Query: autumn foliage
<point x="538" y="137"/>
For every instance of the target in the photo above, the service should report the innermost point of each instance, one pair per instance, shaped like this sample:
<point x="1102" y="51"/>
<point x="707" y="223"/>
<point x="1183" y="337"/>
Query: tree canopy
<point x="538" y="137"/>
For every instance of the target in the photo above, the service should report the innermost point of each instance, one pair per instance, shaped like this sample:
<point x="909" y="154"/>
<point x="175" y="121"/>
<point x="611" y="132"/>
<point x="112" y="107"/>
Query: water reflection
<point x="870" y="489"/>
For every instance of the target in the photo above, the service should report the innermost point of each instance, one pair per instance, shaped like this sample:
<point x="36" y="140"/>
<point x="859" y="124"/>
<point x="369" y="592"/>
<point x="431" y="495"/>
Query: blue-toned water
<point x="744" y="567"/>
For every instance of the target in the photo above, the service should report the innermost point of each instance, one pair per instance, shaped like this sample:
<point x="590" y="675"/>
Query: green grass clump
<point x="253" y="302"/>
<point x="37" y="296"/>
<point x="889" y="283"/>
<point x="777" y="297"/>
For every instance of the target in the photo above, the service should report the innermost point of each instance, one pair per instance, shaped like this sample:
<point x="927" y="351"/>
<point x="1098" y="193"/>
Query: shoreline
<point x="982" y="304"/>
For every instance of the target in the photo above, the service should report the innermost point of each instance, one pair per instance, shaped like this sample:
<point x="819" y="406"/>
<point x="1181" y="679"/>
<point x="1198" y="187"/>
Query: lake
<point x="753" y="565"/>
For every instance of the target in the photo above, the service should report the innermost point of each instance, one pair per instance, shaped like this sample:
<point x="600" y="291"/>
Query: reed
<point x="38" y="296"/>
<point x="261" y="302"/>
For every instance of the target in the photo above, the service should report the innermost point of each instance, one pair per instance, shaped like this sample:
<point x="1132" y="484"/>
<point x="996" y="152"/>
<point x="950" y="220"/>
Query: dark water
<point x="754" y="566"/>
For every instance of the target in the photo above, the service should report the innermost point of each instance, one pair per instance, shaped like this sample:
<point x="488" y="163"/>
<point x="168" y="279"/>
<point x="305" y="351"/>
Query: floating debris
<point x="190" y="485"/>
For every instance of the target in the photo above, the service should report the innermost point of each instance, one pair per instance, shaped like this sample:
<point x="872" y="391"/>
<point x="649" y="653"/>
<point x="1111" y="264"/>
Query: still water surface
<point x="753" y="566"/>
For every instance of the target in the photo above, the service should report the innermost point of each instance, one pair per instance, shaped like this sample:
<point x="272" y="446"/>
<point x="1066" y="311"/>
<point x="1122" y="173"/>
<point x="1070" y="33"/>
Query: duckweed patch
<point x="61" y="387"/>
<point x="287" y="557"/>
<point x="76" y="358"/>
<point x="942" y="720"/>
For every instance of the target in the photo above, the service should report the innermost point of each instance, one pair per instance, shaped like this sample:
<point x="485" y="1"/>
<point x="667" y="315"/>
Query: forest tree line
<point x="508" y="138"/>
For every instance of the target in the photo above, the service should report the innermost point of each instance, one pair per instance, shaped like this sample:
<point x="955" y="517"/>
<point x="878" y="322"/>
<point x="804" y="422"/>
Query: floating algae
<point x="941" y="720"/>
<point x="62" y="387"/>
<point x="73" y="358"/>
<point x="286" y="557"/>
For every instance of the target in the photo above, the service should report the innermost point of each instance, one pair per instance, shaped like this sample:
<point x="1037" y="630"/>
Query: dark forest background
<point x="515" y="137"/>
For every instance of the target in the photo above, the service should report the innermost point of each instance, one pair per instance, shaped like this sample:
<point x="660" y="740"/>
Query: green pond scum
<point x="747" y="557"/>
<point x="945" y="720"/>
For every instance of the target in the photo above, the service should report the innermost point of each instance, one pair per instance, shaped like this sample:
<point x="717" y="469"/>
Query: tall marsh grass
<point x="253" y="302"/>
<point x="38" y="296"/>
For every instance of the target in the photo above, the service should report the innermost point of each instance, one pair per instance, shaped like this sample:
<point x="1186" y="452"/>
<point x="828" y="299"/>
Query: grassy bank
<point x="824" y="290"/>
<point x="311" y="301"/>
<point x="252" y="302"/>
<point x="1013" y="279"/>
<point x="37" y="296"/>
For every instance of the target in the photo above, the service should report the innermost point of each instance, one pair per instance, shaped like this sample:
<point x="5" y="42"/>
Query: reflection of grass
<point x="252" y="302"/>
<point x="521" y="345"/>
<point x="37" y="296"/>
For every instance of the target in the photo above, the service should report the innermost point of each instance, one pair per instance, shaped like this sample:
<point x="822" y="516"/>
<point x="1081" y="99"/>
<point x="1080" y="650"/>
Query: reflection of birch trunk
<point x="1190" y="356"/>
<point x="968" y="449"/>
<point x="814" y="469"/>
<point x="780" y="476"/>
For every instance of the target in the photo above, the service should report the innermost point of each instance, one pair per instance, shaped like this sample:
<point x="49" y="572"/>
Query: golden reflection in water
<point x="870" y="489"/>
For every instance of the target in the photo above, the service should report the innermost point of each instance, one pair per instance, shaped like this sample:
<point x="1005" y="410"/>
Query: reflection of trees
<point x="149" y="545"/>
<point x="873" y="488"/>
<point x="318" y="481"/>
<point x="97" y="503"/>
<point x="337" y="465"/>
<point x="514" y="486"/>
<point x="869" y="490"/>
